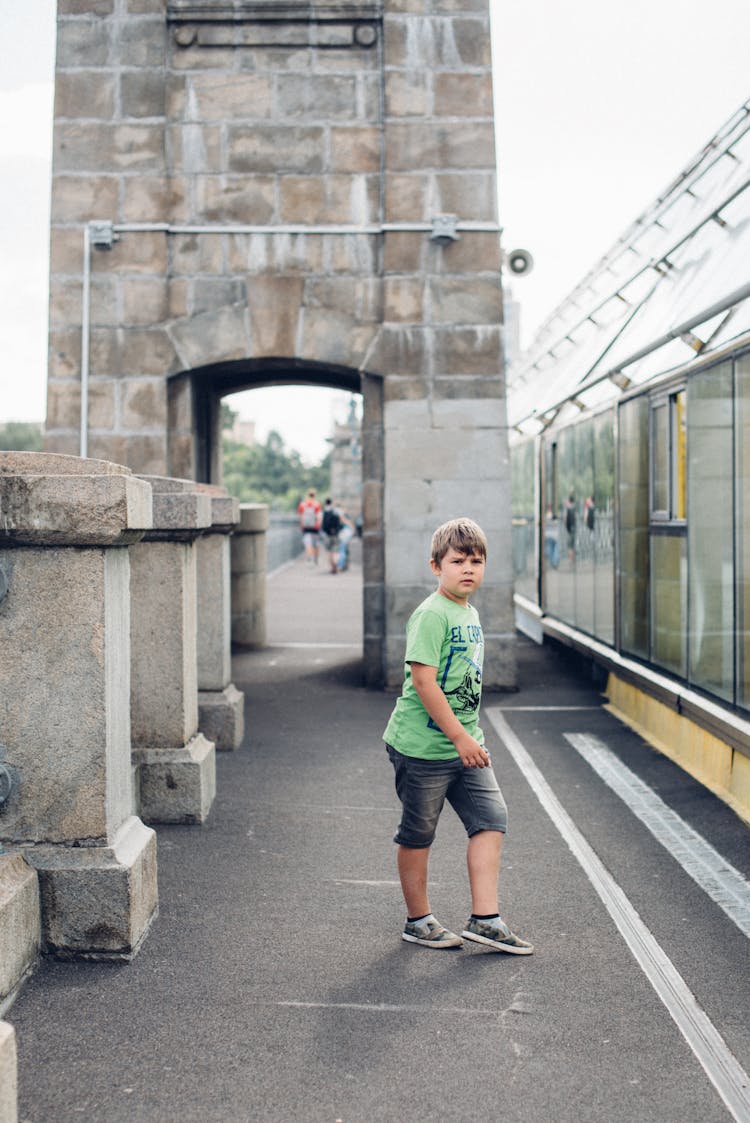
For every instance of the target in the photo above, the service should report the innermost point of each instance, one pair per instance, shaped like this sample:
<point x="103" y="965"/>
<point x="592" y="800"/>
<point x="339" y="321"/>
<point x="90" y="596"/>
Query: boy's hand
<point x="472" y="753"/>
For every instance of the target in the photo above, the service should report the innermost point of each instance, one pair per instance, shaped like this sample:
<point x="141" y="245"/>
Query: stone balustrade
<point x="175" y="763"/>
<point x="115" y="662"/>
<point x="248" y="550"/>
<point x="220" y="703"/>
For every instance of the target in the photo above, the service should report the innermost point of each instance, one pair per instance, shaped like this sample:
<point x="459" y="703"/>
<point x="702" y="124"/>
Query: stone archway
<point x="194" y="452"/>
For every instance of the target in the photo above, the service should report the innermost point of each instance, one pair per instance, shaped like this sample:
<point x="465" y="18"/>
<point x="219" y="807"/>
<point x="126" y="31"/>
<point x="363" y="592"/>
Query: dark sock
<point x="490" y="916"/>
<point x="415" y="919"/>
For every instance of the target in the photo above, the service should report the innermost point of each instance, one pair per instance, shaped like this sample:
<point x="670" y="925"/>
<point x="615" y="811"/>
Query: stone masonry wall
<point x="285" y="120"/>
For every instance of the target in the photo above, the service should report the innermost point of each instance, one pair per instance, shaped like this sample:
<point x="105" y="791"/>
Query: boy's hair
<point x="463" y="535"/>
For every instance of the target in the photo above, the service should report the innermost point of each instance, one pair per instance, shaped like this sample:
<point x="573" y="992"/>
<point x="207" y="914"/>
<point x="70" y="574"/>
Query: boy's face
<point x="459" y="575"/>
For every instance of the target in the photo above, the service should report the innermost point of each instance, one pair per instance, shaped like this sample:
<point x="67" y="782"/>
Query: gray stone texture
<point x="8" y="1074"/>
<point x="248" y="576"/>
<point x="176" y="765"/>
<point x="20" y="924"/>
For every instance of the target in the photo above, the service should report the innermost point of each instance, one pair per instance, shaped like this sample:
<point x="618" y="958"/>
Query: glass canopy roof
<point x="673" y="288"/>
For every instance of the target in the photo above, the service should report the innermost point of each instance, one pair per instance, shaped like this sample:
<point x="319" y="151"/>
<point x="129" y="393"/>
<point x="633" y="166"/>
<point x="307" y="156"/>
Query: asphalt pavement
<point x="274" y="986"/>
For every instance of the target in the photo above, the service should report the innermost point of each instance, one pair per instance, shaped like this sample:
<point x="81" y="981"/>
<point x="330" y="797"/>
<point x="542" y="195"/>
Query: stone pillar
<point x="220" y="704"/>
<point x="64" y="682"/>
<point x="249" y="576"/>
<point x="175" y="764"/>
<point x="8" y="1075"/>
<point x="441" y="345"/>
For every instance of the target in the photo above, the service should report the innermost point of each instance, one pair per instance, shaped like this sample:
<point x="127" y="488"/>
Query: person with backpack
<point x="331" y="527"/>
<point x="309" y="514"/>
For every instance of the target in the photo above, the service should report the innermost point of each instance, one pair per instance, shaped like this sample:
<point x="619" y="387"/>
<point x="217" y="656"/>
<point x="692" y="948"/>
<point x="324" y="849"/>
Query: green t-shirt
<point x="446" y="635"/>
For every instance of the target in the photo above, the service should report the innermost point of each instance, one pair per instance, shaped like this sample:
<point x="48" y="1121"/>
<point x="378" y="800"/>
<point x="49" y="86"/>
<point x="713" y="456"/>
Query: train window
<point x="669" y="458"/>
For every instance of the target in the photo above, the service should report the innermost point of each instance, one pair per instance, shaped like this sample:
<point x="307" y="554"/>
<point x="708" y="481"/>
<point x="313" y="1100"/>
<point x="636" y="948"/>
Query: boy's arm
<point x="438" y="707"/>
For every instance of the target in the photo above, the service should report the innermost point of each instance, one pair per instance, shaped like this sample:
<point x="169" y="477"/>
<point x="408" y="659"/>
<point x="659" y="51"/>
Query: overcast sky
<point x="599" y="106"/>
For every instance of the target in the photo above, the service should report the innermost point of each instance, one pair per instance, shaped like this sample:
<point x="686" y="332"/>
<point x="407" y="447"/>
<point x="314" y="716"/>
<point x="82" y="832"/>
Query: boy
<point x="437" y="748"/>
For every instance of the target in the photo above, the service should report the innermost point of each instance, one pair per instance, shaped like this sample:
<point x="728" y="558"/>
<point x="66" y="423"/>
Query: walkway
<point x="274" y="986"/>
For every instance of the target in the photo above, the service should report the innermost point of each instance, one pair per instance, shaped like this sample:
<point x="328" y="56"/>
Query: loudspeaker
<point x="519" y="262"/>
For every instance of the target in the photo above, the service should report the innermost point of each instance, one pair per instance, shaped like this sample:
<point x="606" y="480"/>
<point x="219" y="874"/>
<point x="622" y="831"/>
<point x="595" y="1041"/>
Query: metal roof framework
<point x="673" y="289"/>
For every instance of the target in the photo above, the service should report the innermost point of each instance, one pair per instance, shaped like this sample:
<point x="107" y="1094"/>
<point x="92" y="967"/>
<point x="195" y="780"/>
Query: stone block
<point x="84" y="93"/>
<point x="8" y="1074"/>
<point x="403" y="252"/>
<point x="98" y="902"/>
<point x="440" y="144"/>
<point x="177" y="785"/>
<point x="466" y="300"/>
<point x="463" y="95"/>
<point x="194" y="148"/>
<point x="276" y="149"/>
<point x="143" y="41"/>
<point x="470" y="40"/>
<point x="70" y="759"/>
<point x="221" y="717"/>
<point x="64" y="356"/>
<point x="470" y="197"/>
<point x="45" y="510"/>
<point x="471" y="350"/>
<point x="145" y="253"/>
<point x="142" y="93"/>
<point x="399" y="349"/>
<point x="479" y="413"/>
<point x="354" y="149"/>
<point x="214" y="613"/>
<point x="101" y="404"/>
<point x="211" y="337"/>
<point x="359" y="297"/>
<point x="406" y="200"/>
<point x="316" y="96"/>
<point x="20" y="924"/>
<point x="82" y="42"/>
<point x="145" y="300"/>
<point x="118" y="352"/>
<point x="144" y="453"/>
<point x="408" y="93"/>
<point x="237" y="97"/>
<point x="144" y="196"/>
<point x="330" y="336"/>
<point x="143" y="404"/>
<point x="487" y="387"/>
<point x="404" y="299"/>
<point x="164" y="675"/>
<point x="274" y="305"/>
<point x="236" y="199"/>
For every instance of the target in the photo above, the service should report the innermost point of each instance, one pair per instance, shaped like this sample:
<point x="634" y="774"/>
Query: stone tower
<point x="263" y="192"/>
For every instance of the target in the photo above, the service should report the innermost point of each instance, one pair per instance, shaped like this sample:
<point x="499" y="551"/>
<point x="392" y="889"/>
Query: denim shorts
<point x="423" y="787"/>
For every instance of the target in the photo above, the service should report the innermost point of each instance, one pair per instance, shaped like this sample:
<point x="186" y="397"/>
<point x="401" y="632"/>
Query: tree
<point x="22" y="436"/>
<point x="268" y="473"/>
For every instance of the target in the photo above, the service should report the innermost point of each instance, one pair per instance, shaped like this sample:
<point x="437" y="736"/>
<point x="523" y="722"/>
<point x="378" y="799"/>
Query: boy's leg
<point x="412" y="871"/>
<point x="483" y="859"/>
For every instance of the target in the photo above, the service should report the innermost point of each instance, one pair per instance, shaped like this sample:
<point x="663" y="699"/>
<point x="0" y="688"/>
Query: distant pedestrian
<point x="571" y="518"/>
<point x="331" y="527"/>
<point x="437" y="748"/>
<point x="345" y="536"/>
<point x="310" y="514"/>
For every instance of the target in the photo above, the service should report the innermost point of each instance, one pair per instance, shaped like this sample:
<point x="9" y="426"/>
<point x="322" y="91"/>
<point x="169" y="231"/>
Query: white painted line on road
<point x="724" y="884"/>
<point x="315" y="646"/>
<point x="546" y="709"/>
<point x="388" y="1008"/>
<point x="359" y="881"/>
<point x="711" y="1050"/>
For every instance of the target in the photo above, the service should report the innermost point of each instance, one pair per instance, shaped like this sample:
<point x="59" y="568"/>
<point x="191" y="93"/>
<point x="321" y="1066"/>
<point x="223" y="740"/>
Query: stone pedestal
<point x="175" y="764"/>
<point x="8" y="1075"/>
<point x="249" y="576"/>
<point x="220" y="704"/>
<point x="20" y="924"/>
<point x="64" y="681"/>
